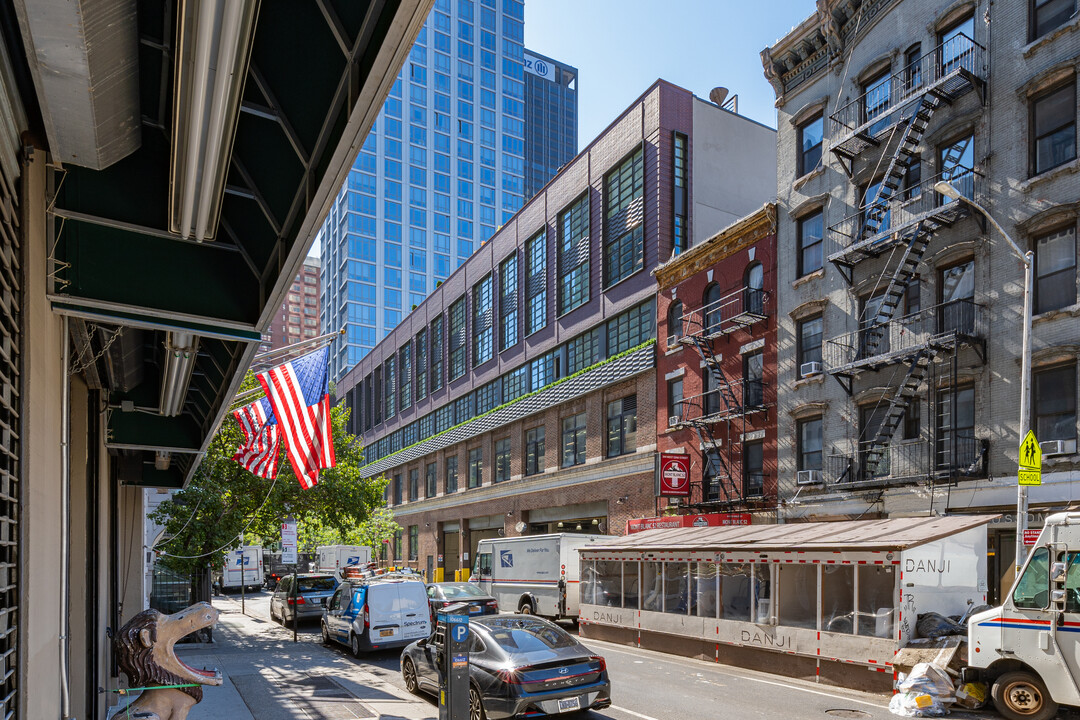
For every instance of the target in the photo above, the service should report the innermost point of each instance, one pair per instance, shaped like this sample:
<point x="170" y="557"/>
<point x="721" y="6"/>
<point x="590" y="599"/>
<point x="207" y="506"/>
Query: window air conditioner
<point x="809" y="368"/>
<point x="674" y="420"/>
<point x="1057" y="447"/>
<point x="808" y="477"/>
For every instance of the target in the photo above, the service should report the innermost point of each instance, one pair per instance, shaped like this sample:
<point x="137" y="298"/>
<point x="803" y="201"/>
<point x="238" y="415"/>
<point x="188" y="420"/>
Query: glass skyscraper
<point x="442" y="168"/>
<point x="551" y="128"/>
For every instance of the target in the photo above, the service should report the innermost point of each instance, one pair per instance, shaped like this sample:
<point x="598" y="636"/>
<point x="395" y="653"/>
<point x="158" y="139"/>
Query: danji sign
<point x="673" y="476"/>
<point x="683" y="521"/>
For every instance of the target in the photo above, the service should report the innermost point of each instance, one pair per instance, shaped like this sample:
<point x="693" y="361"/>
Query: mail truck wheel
<point x="526" y="607"/>
<point x="1023" y="696"/>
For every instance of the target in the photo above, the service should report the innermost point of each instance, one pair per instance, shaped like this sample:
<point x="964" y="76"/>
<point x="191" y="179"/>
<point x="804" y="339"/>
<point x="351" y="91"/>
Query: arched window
<point x="711" y="305"/>
<point x="674" y="322"/>
<point x="754" y="300"/>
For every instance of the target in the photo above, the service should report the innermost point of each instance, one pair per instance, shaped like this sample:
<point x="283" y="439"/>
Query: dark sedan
<point x="518" y="666"/>
<point x="448" y="593"/>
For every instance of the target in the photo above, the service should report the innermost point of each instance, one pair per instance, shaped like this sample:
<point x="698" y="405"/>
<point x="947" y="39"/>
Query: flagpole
<point x="262" y="357"/>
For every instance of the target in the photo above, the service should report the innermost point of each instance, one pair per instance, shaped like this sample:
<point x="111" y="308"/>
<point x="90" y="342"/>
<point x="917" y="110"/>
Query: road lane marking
<point x="631" y="712"/>
<point x="719" y="668"/>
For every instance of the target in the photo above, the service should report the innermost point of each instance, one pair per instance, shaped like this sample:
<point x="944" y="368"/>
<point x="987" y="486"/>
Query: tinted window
<point x="319" y="584"/>
<point x="524" y="636"/>
<point x="461" y="591"/>
<point x="1033" y="590"/>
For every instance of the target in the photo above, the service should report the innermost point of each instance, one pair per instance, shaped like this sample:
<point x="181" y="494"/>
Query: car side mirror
<point x="1057" y="599"/>
<point x="1057" y="573"/>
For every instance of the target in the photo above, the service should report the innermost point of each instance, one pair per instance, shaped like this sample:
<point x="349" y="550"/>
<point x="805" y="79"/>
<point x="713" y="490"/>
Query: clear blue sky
<point x="620" y="47"/>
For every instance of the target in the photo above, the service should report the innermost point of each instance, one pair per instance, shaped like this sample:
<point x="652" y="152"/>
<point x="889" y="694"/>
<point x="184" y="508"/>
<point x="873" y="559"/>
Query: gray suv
<point x="312" y="592"/>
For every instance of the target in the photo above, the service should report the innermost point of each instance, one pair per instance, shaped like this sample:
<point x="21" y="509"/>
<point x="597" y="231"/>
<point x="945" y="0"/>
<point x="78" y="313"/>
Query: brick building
<point x="716" y="368"/>
<point x="519" y="396"/>
<point x="918" y="299"/>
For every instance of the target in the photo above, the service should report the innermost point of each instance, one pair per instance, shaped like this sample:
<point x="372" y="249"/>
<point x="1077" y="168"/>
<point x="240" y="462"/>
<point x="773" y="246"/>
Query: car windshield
<point x="525" y="636"/>
<point x="463" y="590"/>
<point x="317" y="584"/>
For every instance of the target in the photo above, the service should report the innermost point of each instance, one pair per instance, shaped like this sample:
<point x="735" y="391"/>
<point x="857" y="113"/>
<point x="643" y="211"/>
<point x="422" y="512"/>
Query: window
<point x="502" y="459"/>
<point x="391" y="382"/>
<point x="622" y="426"/>
<point x="397" y="489"/>
<point x="711" y="390"/>
<point x="1054" y="404"/>
<point x="583" y="351"/>
<point x="414" y="542"/>
<point x="956" y="445"/>
<point x="414" y="485"/>
<point x="753" y="379"/>
<point x="1047" y="15"/>
<point x="1055" y="270"/>
<point x="421" y="365"/>
<point x="710" y="303"/>
<point x="457" y="339"/>
<point x="912" y="67"/>
<point x="674" y="322"/>
<point x="573" y="440"/>
<point x="754" y="289"/>
<point x="877" y="98"/>
<point x="630" y="329"/>
<point x="1033" y="589"/>
<point x="810" y="232"/>
<point x="508" y="302"/>
<point x="957" y="46"/>
<point x="574" y="255"/>
<point x="430" y="475"/>
<point x="811" y="134"/>
<point x="534" y="451"/>
<point x="482" y="322"/>
<point x="809" y="341"/>
<point x="912" y="420"/>
<point x="536" y="283"/>
<point x="1053" y="128"/>
<point x="679" y="239"/>
<point x="753" y="469"/>
<point x="624" y="247"/>
<point x="809" y="439"/>
<point x="450" y="484"/>
<point x="476" y="467"/>
<point x="675" y="398"/>
<point x="957" y="309"/>
<point x="874" y="338"/>
<point x="436" y="353"/>
<point x="405" y="376"/>
<point x="712" y="474"/>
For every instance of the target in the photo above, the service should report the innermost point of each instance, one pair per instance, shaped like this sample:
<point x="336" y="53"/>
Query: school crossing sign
<point x="1030" y="472"/>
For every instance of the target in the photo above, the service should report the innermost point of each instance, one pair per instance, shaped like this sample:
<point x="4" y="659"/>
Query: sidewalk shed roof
<point x="863" y="535"/>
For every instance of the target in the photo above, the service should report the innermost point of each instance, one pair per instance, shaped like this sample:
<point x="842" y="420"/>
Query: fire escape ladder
<point x="898" y="404"/>
<point x="715" y="464"/>
<point x="951" y="159"/>
<point x="719" y="379"/>
<point x="898" y="282"/>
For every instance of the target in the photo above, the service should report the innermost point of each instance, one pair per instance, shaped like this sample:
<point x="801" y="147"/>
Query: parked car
<point x="518" y="666"/>
<point x="385" y="611"/>
<point x="447" y="593"/>
<point x="307" y="601"/>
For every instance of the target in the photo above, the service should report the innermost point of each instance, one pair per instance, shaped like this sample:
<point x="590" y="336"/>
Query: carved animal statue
<point x="144" y="648"/>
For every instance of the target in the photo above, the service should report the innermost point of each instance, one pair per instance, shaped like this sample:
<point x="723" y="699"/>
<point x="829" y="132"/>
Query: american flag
<point x="262" y="439"/>
<point x="299" y="394"/>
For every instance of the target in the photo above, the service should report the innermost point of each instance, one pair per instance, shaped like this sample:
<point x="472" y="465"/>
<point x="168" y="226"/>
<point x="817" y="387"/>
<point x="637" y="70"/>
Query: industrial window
<point x="487" y="396"/>
<point x="377" y="402"/>
<point x="405" y="376"/>
<point x="1055" y="270"/>
<point x="534" y="451"/>
<point x="516" y="384"/>
<point x="680" y="241"/>
<point x="430" y="475"/>
<point x="624" y="247"/>
<point x="544" y="370"/>
<point x="674" y="322"/>
<point x="1054" y="404"/>
<point x="436" y="353"/>
<point x="508" y="302"/>
<point x="810" y="232"/>
<point x="456" y="339"/>
<point x="574" y="255"/>
<point x="483" y="342"/>
<point x="391" y="380"/>
<point x="536" y="283"/>
<point x="811" y="134"/>
<point x="450" y="483"/>
<point x="583" y="351"/>
<point x="573" y="440"/>
<point x="630" y="329"/>
<point x="1053" y="128"/>
<point x="421" y="365"/>
<point x="476" y="467"/>
<point x="1047" y="15"/>
<point x="809" y="439"/>
<point x="414" y="542"/>
<point x="397" y="489"/>
<point x="753" y="469"/>
<point x="622" y="426"/>
<point x="753" y="380"/>
<point x="675" y="398"/>
<point x="809" y="341"/>
<point x="502" y="459"/>
<point x="414" y="484"/>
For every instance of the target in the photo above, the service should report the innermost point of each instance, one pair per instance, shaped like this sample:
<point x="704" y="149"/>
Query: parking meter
<point x="454" y="668"/>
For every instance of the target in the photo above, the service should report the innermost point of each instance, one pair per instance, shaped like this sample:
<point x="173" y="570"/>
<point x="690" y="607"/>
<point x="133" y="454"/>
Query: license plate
<point x="473" y="609"/>
<point x="388" y="633"/>
<point x="569" y="704"/>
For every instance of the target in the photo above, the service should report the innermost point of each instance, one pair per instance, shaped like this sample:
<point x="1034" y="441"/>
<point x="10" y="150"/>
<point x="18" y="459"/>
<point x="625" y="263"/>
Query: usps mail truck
<point x="243" y="568"/>
<point x="536" y="574"/>
<point x="334" y="558"/>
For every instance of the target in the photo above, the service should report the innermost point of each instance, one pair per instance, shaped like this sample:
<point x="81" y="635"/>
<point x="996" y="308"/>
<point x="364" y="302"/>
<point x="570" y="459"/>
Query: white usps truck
<point x="334" y="558"/>
<point x="243" y="568"/>
<point x="536" y="574"/>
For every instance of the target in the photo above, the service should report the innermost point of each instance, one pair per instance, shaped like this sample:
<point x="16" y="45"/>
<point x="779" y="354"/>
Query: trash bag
<point x="926" y="691"/>
<point x="912" y="704"/>
<point x="972" y="695"/>
<point x="934" y="625"/>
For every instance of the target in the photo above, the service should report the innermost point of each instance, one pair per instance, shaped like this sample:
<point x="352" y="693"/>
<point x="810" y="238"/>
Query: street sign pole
<point x="243" y="582"/>
<point x="294" y="613"/>
<point x="1025" y="403"/>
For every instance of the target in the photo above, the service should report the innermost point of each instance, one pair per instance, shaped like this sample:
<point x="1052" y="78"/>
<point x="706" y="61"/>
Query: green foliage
<point x="223" y="497"/>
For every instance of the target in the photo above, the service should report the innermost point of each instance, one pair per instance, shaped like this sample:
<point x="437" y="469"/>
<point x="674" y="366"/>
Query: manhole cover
<point x="845" y="713"/>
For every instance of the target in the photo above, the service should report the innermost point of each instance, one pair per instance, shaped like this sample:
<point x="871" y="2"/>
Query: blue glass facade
<point x="551" y="114"/>
<point x="442" y="168"/>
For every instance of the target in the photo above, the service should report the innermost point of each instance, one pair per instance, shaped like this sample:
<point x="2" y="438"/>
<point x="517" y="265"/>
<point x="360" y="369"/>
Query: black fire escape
<point x="899" y="218"/>
<point x="722" y="416"/>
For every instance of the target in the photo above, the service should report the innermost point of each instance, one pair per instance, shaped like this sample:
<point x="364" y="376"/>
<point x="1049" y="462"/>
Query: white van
<point x="243" y="568"/>
<point x="333" y="558"/>
<point x="373" y="614"/>
<point x="535" y="574"/>
<point x="1028" y="649"/>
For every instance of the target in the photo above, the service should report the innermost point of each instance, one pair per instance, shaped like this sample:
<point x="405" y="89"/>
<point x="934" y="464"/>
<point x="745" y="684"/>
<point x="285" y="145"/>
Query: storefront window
<point x="1033" y="589"/>
<point x="631" y="589"/>
<point x="704" y="586"/>
<point x="735" y="592"/>
<point x="838" y="598"/>
<point x="877" y="590"/>
<point x="676" y="587"/>
<point x="763" y="602"/>
<point x="797" y="606"/>
<point x="652" y="590"/>
<point x="608" y="583"/>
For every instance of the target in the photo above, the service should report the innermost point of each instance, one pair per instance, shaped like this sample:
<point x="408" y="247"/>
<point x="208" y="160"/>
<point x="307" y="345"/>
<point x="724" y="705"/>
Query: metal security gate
<point x="10" y="439"/>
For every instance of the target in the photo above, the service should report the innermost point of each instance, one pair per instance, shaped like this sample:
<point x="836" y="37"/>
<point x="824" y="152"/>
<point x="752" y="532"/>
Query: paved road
<point x="655" y="686"/>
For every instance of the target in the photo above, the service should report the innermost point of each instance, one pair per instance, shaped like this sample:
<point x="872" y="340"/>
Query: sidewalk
<point x="268" y="677"/>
